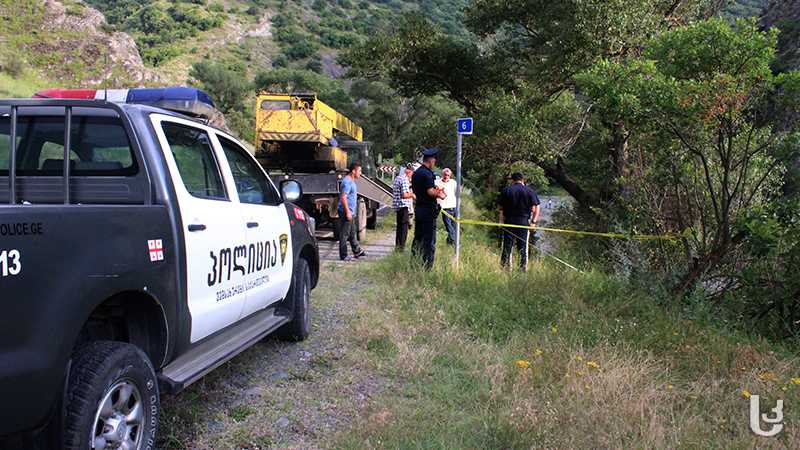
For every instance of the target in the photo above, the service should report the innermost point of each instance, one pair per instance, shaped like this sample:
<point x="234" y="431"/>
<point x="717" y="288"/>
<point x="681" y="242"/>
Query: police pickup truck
<point x="139" y="249"/>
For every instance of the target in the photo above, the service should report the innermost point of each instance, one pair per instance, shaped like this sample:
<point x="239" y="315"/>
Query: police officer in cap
<point x="519" y="205"/>
<point x="423" y="184"/>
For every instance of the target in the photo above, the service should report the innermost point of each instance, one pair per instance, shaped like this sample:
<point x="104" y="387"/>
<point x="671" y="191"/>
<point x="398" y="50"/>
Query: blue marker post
<point x="463" y="126"/>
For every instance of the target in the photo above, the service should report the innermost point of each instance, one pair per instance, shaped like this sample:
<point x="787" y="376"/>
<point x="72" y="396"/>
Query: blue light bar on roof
<point x="169" y="94"/>
<point x="186" y="100"/>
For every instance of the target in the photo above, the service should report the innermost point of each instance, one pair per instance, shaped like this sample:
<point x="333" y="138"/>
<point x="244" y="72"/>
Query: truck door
<point x="269" y="247"/>
<point x="213" y="227"/>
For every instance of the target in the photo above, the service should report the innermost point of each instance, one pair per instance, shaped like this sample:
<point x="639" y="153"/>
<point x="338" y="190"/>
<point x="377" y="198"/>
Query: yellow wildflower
<point x="746" y="393"/>
<point x="767" y="376"/>
<point x="580" y="374"/>
<point x="538" y="352"/>
<point x="796" y="380"/>
<point x="579" y="358"/>
<point x="593" y="365"/>
<point x="522" y="363"/>
<point x="554" y="329"/>
<point x="784" y="388"/>
<point x="670" y="387"/>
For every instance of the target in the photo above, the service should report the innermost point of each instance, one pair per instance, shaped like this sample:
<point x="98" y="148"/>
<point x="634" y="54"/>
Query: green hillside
<point x="231" y="49"/>
<point x="745" y="8"/>
<point x="261" y="33"/>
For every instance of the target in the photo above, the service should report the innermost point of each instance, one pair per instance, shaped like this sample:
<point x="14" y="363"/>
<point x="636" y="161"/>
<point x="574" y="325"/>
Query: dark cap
<point x="516" y="176"/>
<point x="430" y="152"/>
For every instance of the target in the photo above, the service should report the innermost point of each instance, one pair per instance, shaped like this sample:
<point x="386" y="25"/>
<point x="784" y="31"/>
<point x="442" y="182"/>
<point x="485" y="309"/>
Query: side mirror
<point x="291" y="191"/>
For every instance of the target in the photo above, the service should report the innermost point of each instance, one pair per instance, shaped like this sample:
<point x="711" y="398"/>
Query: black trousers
<point x="515" y="237"/>
<point x="403" y="224"/>
<point x="424" y="244"/>
<point x="348" y="233"/>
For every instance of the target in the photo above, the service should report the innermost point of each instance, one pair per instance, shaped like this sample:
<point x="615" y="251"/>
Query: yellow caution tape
<point x="638" y="237"/>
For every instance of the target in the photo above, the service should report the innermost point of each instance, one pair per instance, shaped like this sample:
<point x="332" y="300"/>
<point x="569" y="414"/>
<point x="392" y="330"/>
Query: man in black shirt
<point x="423" y="184"/>
<point x="517" y="204"/>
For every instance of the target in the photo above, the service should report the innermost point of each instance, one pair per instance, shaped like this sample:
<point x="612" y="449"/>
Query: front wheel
<point x="112" y="399"/>
<point x="299" y="302"/>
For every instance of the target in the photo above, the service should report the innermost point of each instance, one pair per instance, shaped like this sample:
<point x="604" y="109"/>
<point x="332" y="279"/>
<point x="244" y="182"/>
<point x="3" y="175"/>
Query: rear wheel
<point x="112" y="399"/>
<point x="298" y="300"/>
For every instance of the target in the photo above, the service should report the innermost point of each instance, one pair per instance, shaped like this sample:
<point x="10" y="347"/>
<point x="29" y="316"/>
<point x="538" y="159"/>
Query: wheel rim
<point x="119" y="420"/>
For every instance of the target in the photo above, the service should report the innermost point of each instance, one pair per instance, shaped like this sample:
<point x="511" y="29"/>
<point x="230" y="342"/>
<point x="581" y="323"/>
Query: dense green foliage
<point x="745" y="8"/>
<point x="653" y="117"/>
<point x="158" y="26"/>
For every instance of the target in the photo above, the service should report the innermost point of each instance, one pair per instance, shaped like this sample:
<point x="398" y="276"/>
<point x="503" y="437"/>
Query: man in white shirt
<point x="448" y="185"/>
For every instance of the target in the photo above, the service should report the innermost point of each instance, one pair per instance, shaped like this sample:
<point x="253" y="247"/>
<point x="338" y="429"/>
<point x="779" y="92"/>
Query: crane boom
<point x="300" y="118"/>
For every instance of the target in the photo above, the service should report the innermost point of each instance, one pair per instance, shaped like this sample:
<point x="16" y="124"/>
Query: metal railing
<point x="68" y="105"/>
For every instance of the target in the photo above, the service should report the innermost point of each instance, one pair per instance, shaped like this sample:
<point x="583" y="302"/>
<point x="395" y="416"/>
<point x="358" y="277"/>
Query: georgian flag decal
<point x="156" y="249"/>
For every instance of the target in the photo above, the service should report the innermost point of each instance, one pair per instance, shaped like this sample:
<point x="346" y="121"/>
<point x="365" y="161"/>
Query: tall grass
<point x="556" y="358"/>
<point x="22" y="86"/>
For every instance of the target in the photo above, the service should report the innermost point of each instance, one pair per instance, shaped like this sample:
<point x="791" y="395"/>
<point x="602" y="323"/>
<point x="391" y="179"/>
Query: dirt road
<point x="277" y="394"/>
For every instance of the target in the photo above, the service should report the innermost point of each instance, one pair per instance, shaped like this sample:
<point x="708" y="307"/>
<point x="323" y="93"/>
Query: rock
<point x="283" y="422"/>
<point x="123" y="54"/>
<point x="279" y="376"/>
<point x="253" y="392"/>
<point x="215" y="426"/>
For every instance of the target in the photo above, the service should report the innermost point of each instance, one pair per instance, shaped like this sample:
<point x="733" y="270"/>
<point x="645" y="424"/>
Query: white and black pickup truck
<point x="139" y="250"/>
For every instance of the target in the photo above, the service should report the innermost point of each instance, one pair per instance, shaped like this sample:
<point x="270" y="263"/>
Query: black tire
<point x="298" y="302"/>
<point x="107" y="372"/>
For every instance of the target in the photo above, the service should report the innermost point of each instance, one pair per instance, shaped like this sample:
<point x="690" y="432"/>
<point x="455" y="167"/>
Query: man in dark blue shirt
<point x="518" y="203"/>
<point x="423" y="184"/>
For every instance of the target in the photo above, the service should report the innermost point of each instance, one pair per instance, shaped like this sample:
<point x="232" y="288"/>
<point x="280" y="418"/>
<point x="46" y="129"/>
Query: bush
<point x="289" y="35"/>
<point x="770" y="278"/>
<point x="11" y="64"/>
<point x="300" y="50"/>
<point x="280" y="61"/>
<point x="338" y="39"/>
<point x="314" y="65"/>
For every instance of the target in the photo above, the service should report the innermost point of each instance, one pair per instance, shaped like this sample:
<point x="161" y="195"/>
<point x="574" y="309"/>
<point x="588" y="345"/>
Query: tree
<point x="420" y="59"/>
<point x="227" y="85"/>
<point x="697" y="99"/>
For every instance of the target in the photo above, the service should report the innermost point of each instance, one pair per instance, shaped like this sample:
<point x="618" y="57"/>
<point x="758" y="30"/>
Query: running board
<point x="217" y="350"/>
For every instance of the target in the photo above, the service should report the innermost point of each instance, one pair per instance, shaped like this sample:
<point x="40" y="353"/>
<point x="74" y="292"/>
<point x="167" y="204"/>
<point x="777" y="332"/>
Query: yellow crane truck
<point x="296" y="136"/>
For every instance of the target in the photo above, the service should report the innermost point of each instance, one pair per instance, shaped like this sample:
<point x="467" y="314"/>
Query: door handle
<point x="252" y="224"/>
<point x="197" y="227"/>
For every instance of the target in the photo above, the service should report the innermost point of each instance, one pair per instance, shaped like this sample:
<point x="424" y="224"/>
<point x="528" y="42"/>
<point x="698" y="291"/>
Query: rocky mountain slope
<point x="67" y="43"/>
<point x="785" y="15"/>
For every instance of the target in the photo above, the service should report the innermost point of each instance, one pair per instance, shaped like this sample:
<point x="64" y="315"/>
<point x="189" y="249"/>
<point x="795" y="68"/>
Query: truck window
<point x="194" y="156"/>
<point x="251" y="183"/>
<point x="276" y="105"/>
<point x="99" y="146"/>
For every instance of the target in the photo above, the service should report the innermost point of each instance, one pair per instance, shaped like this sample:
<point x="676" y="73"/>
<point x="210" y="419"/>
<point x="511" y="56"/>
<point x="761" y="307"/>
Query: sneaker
<point x="360" y="254"/>
<point x="346" y="258"/>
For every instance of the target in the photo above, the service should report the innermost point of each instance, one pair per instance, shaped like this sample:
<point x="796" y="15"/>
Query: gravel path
<point x="285" y="395"/>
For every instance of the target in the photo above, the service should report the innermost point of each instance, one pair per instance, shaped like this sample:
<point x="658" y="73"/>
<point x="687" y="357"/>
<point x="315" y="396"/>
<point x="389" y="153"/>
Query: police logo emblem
<point x="284" y="247"/>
